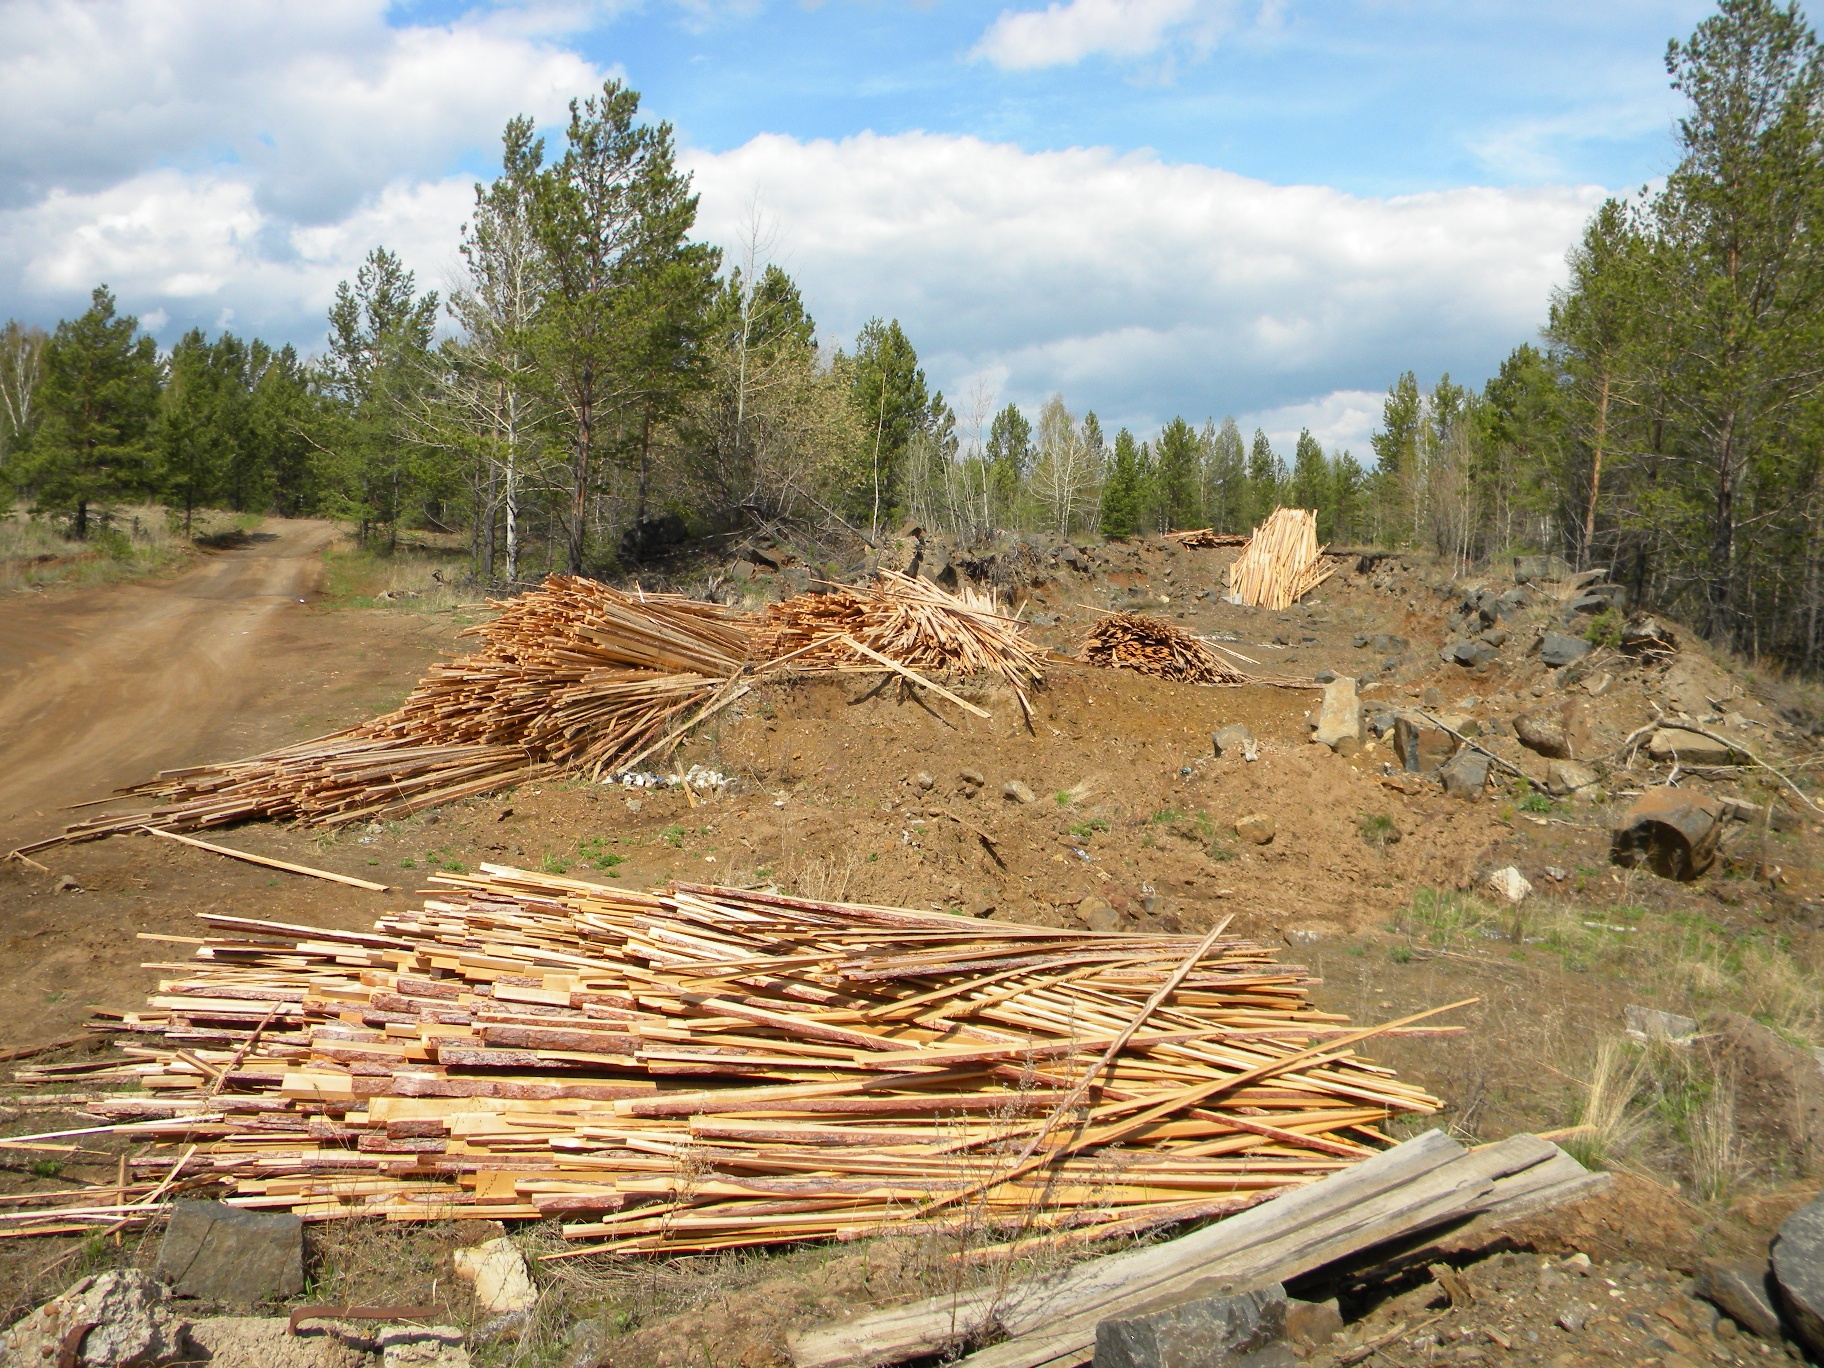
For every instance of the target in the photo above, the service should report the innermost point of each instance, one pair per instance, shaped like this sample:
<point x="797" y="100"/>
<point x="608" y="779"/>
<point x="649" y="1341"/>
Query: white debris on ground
<point x="697" y="777"/>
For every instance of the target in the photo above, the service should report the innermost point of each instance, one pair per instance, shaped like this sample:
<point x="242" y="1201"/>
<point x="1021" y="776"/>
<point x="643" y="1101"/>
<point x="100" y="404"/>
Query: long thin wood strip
<point x="914" y="676"/>
<point x="269" y="862"/>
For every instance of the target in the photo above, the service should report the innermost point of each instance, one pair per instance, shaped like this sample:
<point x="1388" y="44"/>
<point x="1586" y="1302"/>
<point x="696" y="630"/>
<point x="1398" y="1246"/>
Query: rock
<point x="923" y="782"/>
<point x="972" y="778"/>
<point x="1689" y="748"/>
<point x="1016" y="792"/>
<point x="131" y="1325"/>
<point x="1644" y="634"/>
<point x="1494" y="636"/>
<point x="227" y="1254"/>
<point x="1202" y="1327"/>
<point x="1741" y="1291"/>
<point x="1073" y="558"/>
<point x="1565" y="777"/>
<point x="1098" y="915"/>
<point x="1462" y="723"/>
<point x="1359" y="641"/>
<point x="1798" y="1272"/>
<point x="1465" y="775"/>
<point x="1257" y="827"/>
<point x="428" y="1346"/>
<point x="1557" y="649"/>
<point x="267" y="1342"/>
<point x="741" y="571"/>
<point x="1574" y="1317"/>
<point x="1311" y="1325"/>
<point x="1510" y="883"/>
<point x="67" y="883"/>
<point x="1348" y="745"/>
<point x="1420" y="743"/>
<point x="1778" y="1083"/>
<point x="1672" y="832"/>
<point x="1387" y="643"/>
<point x="1649" y="1023"/>
<point x="1468" y="653"/>
<point x="1532" y="569"/>
<point x="1381" y="723"/>
<point x="1557" y="736"/>
<point x="1235" y="740"/>
<point x="503" y="1286"/>
<point x="1434" y="697"/>
<point x="1341" y="714"/>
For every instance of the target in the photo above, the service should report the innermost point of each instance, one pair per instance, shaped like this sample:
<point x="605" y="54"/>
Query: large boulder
<point x="1670" y="831"/>
<point x="1466" y="774"/>
<point x="228" y="1254"/>
<point x="1798" y="1272"/>
<point x="1468" y="654"/>
<point x="1565" y="777"/>
<point x="1556" y="734"/>
<point x="118" y="1319"/>
<point x="1742" y="1291"/>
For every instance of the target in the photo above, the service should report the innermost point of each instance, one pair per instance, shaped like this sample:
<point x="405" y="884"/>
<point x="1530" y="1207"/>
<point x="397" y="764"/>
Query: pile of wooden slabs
<point x="707" y="1068"/>
<point x="1153" y="646"/>
<point x="1281" y="563"/>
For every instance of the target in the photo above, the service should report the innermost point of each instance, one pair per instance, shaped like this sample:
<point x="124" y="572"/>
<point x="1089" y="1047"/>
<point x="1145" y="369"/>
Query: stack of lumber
<point x="708" y="1068"/>
<point x="1428" y="1184"/>
<point x="1134" y="641"/>
<point x="574" y="675"/>
<point x="1281" y="563"/>
<point x="911" y="621"/>
<point x="1207" y="537"/>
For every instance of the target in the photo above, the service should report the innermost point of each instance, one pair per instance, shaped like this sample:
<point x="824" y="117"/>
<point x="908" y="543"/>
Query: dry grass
<point x="125" y="543"/>
<point x="1609" y="1123"/>
<point x="429" y="575"/>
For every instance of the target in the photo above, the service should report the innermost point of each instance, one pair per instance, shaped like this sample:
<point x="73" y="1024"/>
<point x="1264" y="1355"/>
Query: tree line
<point x="595" y="383"/>
<point x="1667" y="426"/>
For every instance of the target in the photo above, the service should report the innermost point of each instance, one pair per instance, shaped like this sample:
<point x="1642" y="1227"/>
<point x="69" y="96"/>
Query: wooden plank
<point x="269" y="862"/>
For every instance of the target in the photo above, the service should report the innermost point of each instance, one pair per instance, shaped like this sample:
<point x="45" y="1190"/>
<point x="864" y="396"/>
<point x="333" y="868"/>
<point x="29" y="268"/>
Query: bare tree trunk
<point x="579" y="471"/>
<point x="1602" y="433"/>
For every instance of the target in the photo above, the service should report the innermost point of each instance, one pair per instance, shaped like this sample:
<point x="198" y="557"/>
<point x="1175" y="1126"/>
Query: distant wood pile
<point x="1281" y="562"/>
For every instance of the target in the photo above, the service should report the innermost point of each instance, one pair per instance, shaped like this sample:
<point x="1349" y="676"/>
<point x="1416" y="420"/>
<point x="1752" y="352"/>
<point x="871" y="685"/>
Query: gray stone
<point x="1468" y="653"/>
<point x="1565" y="777"/>
<point x="1649" y="1023"/>
<point x="924" y="781"/>
<point x="1466" y="774"/>
<point x="1381" y="723"/>
<point x="1016" y="792"/>
<point x="1234" y="741"/>
<point x="1532" y="569"/>
<point x="1743" y="1292"/>
<point x="130" y="1325"/>
<point x="1798" y="1272"/>
<point x="1205" y="1326"/>
<point x="227" y="1254"/>
<point x="1557" y="649"/>
<point x="1387" y="643"/>
<point x="1689" y="748"/>
<point x="1495" y="636"/>
<point x="1341" y="714"/>
<point x="1359" y="641"/>
<point x="972" y="778"/>
<point x="1421" y="744"/>
<point x="1574" y="1317"/>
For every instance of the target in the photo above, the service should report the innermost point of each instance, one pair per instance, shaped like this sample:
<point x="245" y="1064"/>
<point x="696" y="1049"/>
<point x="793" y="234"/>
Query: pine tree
<point x="96" y="405"/>
<point x="1122" y="493"/>
<point x="1177" y="455"/>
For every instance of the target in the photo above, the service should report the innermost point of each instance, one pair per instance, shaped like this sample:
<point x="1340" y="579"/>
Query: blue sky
<point x="1151" y="206"/>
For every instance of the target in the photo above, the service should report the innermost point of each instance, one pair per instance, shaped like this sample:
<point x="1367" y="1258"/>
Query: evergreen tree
<point x="1122" y="492"/>
<point x="96" y="405"/>
<point x="196" y="420"/>
<point x="894" y="407"/>
<point x="1227" y="505"/>
<point x="1265" y="473"/>
<point x="1311" y="478"/>
<point x="1177" y="456"/>
<point x="1010" y="458"/>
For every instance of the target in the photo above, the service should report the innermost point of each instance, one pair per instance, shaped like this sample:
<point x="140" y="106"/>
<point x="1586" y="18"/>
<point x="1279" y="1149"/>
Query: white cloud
<point x="1067" y="31"/>
<point x="1341" y="421"/>
<point x="321" y="104"/>
<point x="1143" y="288"/>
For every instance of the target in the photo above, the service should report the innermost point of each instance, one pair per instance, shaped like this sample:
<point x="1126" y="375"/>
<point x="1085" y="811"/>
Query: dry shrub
<point x="1608" y="1123"/>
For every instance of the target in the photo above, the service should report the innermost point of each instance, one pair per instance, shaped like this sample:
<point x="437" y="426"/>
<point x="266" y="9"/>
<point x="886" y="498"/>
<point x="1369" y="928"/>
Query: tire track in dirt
<point x="108" y="687"/>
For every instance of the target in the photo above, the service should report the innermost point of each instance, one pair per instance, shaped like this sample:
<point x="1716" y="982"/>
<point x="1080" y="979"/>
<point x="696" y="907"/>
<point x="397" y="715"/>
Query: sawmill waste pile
<point x="1281" y="562"/>
<point x="709" y="1068"/>
<point x="908" y="620"/>
<point x="574" y="675"/>
<point x="1150" y="645"/>
<point x="1206" y="537"/>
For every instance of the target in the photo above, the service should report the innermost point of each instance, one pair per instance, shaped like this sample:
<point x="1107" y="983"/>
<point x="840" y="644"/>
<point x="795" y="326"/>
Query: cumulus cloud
<point x="320" y="104"/>
<point x="1067" y="31"/>
<point x="1144" y="288"/>
<point x="216" y="159"/>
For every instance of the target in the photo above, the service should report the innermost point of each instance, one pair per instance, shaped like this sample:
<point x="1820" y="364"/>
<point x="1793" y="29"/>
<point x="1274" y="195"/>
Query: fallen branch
<point x="271" y="863"/>
<point x="914" y="676"/>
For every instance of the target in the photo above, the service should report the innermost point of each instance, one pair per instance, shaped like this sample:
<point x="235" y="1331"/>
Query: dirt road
<point x="107" y="687"/>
